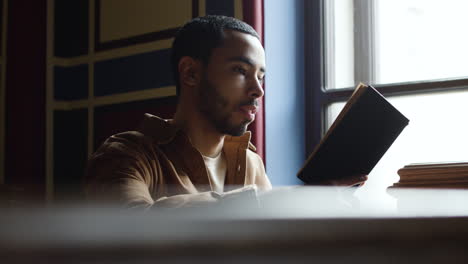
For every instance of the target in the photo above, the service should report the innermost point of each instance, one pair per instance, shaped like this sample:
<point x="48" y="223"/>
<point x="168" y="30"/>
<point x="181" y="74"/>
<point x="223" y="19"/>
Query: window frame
<point x="318" y="97"/>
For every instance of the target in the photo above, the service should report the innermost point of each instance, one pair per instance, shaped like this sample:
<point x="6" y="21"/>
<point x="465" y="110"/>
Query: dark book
<point x="358" y="138"/>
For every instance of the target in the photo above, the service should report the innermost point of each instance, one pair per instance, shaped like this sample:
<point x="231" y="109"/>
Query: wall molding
<point x="49" y="146"/>
<point x="134" y="40"/>
<point x="112" y="54"/>
<point x="97" y="101"/>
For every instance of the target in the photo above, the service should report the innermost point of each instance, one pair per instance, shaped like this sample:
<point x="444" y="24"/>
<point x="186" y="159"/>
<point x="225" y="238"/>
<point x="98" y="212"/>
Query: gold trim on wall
<point x="238" y="12"/>
<point x="91" y="55"/>
<point x="49" y="146"/>
<point x="112" y="54"/>
<point x="97" y="101"/>
<point x="123" y="19"/>
<point x="168" y="32"/>
<point x="202" y="8"/>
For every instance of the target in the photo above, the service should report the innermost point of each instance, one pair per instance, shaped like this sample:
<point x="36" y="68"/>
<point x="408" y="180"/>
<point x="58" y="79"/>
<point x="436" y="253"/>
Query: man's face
<point x="232" y="83"/>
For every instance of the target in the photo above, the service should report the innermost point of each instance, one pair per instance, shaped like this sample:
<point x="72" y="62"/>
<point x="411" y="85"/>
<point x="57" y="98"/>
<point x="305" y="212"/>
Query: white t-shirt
<point x="217" y="168"/>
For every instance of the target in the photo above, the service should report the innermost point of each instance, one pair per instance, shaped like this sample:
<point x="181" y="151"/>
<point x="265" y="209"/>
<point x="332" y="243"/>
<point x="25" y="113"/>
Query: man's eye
<point x="261" y="79"/>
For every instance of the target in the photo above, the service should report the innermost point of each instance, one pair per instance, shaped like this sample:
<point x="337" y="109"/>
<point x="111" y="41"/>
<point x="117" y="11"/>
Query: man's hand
<point x="187" y="200"/>
<point x="207" y="198"/>
<point x="357" y="180"/>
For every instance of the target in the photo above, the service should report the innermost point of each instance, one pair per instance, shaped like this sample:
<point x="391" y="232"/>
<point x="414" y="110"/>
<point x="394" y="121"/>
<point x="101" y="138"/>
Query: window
<point x="384" y="42"/>
<point x="412" y="51"/>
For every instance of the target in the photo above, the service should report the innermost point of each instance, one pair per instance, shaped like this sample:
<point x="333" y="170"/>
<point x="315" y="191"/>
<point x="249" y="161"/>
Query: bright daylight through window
<point x="404" y="40"/>
<point x="404" y="43"/>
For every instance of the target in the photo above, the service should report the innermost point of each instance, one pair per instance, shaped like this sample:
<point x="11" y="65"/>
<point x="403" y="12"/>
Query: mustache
<point x="253" y="102"/>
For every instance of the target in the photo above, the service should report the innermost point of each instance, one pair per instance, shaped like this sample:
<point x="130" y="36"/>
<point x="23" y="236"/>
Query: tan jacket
<point x="137" y="168"/>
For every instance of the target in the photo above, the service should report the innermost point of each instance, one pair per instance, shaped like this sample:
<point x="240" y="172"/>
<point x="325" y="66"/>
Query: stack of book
<point x="434" y="175"/>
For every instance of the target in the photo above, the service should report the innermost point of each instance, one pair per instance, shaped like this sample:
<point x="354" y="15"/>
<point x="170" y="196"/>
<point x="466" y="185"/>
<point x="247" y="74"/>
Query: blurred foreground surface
<point x="294" y="225"/>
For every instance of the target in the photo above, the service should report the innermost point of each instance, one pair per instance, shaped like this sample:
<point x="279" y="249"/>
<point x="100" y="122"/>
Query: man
<point x="204" y="153"/>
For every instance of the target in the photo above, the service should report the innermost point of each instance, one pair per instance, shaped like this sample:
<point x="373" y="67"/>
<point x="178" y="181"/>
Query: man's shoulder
<point x="159" y="129"/>
<point x="253" y="156"/>
<point x="135" y="137"/>
<point x="151" y="129"/>
<point x="125" y="143"/>
<point x="252" y="147"/>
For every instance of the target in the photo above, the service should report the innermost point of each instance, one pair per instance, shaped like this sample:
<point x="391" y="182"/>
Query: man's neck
<point x="203" y="135"/>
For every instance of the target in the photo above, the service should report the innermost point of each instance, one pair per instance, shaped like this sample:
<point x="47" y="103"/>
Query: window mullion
<point x="329" y="43"/>
<point x="364" y="41"/>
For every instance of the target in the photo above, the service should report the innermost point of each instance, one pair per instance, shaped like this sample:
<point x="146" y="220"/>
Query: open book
<point x="358" y="138"/>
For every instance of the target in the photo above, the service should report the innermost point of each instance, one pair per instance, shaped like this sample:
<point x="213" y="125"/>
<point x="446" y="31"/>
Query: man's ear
<point x="189" y="71"/>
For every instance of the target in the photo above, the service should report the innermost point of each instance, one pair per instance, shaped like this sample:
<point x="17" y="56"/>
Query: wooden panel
<point x="70" y="153"/>
<point x="133" y="73"/>
<point x="216" y="7"/>
<point x="71" y="83"/>
<point x="71" y="28"/>
<point x="112" y="119"/>
<point x="120" y="19"/>
<point x="120" y="23"/>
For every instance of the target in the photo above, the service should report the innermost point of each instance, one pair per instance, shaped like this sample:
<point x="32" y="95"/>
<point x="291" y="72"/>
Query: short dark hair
<point x="198" y="37"/>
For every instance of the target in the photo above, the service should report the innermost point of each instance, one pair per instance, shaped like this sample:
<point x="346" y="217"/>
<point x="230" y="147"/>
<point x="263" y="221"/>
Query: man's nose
<point x="256" y="89"/>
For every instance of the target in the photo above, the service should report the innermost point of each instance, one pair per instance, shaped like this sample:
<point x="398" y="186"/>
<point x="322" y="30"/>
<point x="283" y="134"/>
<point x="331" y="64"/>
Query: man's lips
<point x="249" y="108"/>
<point x="249" y="111"/>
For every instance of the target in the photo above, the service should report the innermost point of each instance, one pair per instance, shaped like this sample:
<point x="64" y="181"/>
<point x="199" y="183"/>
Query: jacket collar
<point x="162" y="131"/>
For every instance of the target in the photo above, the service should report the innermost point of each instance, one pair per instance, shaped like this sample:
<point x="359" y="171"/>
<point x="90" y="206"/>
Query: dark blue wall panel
<point x="71" y="27"/>
<point x="70" y="152"/>
<point x="112" y="119"/>
<point x="71" y="83"/>
<point x="133" y="73"/>
<point x="217" y="7"/>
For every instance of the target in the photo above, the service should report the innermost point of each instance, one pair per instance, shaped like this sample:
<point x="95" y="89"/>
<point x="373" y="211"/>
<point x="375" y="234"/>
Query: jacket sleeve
<point x="120" y="171"/>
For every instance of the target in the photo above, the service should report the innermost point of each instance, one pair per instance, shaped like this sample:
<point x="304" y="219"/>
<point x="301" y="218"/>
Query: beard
<point x="216" y="109"/>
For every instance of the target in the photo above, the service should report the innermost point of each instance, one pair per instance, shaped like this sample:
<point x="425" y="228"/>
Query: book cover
<point x="358" y="138"/>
